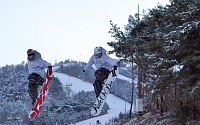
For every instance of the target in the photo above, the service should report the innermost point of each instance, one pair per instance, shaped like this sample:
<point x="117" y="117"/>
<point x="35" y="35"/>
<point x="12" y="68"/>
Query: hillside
<point x="116" y="104"/>
<point x="156" y="119"/>
<point x="58" y="107"/>
<point x="122" y="85"/>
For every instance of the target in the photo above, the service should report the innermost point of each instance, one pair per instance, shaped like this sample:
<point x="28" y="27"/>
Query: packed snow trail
<point x="77" y="84"/>
<point x="116" y="104"/>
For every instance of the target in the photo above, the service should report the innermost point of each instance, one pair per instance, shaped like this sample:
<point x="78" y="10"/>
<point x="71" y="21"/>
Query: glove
<point x="83" y="70"/>
<point x="50" y="67"/>
<point x="115" y="67"/>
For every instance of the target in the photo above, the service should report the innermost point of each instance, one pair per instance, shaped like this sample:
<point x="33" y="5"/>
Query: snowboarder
<point x="103" y="64"/>
<point x="36" y="67"/>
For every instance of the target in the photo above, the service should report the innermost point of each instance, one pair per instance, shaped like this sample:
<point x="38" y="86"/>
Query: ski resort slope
<point x="116" y="104"/>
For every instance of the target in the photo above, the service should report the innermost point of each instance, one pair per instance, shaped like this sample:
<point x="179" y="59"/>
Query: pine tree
<point x="166" y="42"/>
<point x="175" y="36"/>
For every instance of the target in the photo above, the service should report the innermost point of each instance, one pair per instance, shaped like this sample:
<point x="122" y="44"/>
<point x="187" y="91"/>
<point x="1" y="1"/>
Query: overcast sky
<point x="61" y="29"/>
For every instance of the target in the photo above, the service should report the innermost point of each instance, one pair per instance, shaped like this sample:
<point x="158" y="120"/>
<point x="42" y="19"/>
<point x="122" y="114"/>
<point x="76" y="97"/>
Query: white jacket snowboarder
<point x="36" y="67"/>
<point x="103" y="64"/>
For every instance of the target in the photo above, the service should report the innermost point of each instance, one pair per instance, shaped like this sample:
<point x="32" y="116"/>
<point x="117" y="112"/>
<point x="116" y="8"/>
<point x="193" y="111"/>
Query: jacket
<point x="103" y="62"/>
<point x="37" y="65"/>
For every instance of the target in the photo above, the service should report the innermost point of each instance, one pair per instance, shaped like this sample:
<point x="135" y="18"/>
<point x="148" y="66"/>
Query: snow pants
<point x="101" y="74"/>
<point x="34" y="81"/>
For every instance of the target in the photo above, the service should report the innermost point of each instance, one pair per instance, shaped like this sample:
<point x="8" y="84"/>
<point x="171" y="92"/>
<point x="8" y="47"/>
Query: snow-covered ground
<point x="116" y="104"/>
<point x="126" y="78"/>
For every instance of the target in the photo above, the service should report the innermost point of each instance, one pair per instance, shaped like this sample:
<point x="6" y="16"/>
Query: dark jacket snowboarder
<point x="36" y="67"/>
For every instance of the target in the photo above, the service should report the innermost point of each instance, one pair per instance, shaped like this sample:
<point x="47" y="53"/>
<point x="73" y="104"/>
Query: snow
<point x="125" y="78"/>
<point x="77" y="84"/>
<point x="116" y="104"/>
<point x="177" y="68"/>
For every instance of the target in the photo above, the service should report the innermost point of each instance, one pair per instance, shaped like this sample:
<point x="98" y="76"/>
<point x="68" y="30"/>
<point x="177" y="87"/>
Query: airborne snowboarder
<point x="36" y="67"/>
<point x="103" y="64"/>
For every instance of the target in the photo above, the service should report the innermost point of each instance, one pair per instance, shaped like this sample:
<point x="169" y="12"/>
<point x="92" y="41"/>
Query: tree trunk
<point x="132" y="92"/>
<point x="157" y="103"/>
<point x="161" y="105"/>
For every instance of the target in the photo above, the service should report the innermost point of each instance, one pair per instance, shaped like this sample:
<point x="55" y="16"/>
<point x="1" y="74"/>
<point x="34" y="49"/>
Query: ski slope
<point x="116" y="104"/>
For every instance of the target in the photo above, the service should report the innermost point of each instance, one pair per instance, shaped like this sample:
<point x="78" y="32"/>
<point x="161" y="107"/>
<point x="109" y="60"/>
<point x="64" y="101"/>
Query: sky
<point x="62" y="29"/>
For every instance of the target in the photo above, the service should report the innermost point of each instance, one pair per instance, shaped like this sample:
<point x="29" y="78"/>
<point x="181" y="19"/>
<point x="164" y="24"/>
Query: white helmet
<point x="97" y="50"/>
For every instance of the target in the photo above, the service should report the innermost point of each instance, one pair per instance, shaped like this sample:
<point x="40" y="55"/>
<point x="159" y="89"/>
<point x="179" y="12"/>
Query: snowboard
<point x="43" y="92"/>
<point x="99" y="102"/>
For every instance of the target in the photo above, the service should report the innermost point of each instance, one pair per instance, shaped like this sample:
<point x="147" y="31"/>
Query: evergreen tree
<point x="167" y="43"/>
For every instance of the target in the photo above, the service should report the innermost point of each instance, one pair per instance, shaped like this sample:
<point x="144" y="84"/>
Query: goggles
<point x="31" y="56"/>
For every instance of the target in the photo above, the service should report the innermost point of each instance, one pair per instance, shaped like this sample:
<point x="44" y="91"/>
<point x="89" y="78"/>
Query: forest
<point x="165" y="46"/>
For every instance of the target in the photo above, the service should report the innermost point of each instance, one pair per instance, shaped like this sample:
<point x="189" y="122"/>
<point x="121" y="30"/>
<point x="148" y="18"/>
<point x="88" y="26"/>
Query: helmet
<point x="30" y="52"/>
<point x="97" y="50"/>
